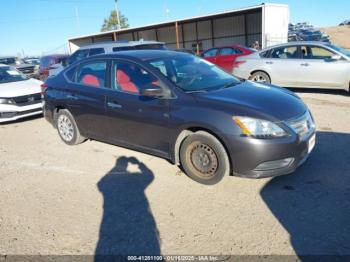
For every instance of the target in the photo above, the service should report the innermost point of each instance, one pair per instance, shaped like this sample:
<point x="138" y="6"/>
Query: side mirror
<point x="152" y="92"/>
<point x="336" y="58"/>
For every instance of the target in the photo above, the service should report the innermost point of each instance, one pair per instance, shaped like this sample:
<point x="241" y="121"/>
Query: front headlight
<point x="259" y="128"/>
<point x="6" y="101"/>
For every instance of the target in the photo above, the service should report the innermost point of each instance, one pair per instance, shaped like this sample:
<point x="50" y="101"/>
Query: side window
<point x="315" y="52"/>
<point x="78" y="55"/>
<point x="227" y="51"/>
<point x="92" y="74"/>
<point x="131" y="78"/>
<point x="123" y="48"/>
<point x="288" y="52"/>
<point x="210" y="53"/>
<point x="96" y="51"/>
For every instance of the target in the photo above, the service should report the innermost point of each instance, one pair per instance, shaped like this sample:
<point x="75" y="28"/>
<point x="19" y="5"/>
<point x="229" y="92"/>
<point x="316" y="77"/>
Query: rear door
<point x="283" y="65"/>
<point x="211" y="55"/>
<point x="320" y="70"/>
<point x="86" y="97"/>
<point x="226" y="58"/>
<point x="135" y="120"/>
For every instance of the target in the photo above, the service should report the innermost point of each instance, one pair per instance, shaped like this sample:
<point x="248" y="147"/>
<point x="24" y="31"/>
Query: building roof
<point x="179" y="20"/>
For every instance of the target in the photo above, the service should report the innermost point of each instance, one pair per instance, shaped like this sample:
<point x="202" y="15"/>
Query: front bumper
<point x="12" y="112"/>
<point x="248" y="154"/>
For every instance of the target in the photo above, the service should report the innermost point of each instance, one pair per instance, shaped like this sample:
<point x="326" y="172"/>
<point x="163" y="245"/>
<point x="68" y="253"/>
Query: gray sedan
<point x="298" y="64"/>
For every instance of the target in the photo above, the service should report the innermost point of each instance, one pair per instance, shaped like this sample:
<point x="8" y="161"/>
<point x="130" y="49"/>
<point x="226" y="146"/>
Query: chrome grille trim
<point x="303" y="126"/>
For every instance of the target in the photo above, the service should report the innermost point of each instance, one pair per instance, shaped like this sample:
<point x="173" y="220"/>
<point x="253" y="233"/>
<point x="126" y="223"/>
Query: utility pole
<point x="117" y="11"/>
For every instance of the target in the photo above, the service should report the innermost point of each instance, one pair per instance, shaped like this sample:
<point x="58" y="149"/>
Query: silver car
<point x="298" y="64"/>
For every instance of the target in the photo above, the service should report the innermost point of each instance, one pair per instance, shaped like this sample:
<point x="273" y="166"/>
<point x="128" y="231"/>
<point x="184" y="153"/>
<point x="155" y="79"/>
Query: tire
<point x="67" y="128"/>
<point x="261" y="77"/>
<point x="204" y="158"/>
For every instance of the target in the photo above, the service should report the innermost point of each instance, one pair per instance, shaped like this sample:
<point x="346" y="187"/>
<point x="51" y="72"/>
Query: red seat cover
<point x="90" y="80"/>
<point x="125" y="83"/>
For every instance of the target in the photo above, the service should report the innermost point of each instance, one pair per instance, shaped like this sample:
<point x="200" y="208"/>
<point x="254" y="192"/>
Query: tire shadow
<point x="128" y="226"/>
<point x="313" y="204"/>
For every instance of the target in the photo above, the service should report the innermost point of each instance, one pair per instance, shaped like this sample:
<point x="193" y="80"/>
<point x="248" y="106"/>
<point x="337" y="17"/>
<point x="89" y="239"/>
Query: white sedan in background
<point x="298" y="64"/>
<point x="20" y="96"/>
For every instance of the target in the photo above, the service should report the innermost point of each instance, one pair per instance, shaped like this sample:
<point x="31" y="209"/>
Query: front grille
<point x="27" y="99"/>
<point x="303" y="126"/>
<point x="13" y="114"/>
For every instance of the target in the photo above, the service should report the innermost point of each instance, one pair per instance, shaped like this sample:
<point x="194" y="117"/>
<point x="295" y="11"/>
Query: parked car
<point x="27" y="69"/>
<point x="46" y="62"/>
<point x="177" y="106"/>
<point x="106" y="47"/>
<point x="225" y="56"/>
<point x="19" y="95"/>
<point x="299" y="64"/>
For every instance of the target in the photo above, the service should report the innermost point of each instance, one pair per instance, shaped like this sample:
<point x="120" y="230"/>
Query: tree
<point x="111" y="23"/>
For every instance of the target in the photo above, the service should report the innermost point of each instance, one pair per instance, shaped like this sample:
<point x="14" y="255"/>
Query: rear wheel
<point x="204" y="159"/>
<point x="261" y="77"/>
<point x="67" y="128"/>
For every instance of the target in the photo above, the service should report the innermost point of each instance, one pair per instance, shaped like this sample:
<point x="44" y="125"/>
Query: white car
<point x="298" y="64"/>
<point x="20" y="96"/>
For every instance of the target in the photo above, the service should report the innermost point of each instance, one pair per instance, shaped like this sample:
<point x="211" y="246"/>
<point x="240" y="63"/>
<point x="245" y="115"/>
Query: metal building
<point x="266" y="23"/>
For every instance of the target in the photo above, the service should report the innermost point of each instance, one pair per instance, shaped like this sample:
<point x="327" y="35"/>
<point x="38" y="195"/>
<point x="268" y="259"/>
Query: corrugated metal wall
<point x="236" y="28"/>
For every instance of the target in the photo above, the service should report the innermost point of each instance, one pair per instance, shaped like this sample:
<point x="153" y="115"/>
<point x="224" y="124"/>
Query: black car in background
<point x="182" y="108"/>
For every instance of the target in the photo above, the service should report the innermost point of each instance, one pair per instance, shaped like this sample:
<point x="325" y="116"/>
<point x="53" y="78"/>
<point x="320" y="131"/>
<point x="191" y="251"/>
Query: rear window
<point x="150" y="46"/>
<point x="123" y="48"/>
<point x="78" y="55"/>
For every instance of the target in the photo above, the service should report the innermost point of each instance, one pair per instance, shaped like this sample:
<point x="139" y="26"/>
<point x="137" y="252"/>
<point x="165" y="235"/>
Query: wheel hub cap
<point x="65" y="128"/>
<point x="204" y="159"/>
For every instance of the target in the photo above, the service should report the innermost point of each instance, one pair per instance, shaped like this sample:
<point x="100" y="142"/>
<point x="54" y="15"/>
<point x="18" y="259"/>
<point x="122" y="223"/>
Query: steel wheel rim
<point x="259" y="78"/>
<point x="65" y="128"/>
<point x="203" y="160"/>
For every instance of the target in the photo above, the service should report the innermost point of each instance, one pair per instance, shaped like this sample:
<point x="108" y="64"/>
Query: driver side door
<point x="134" y="120"/>
<point x="320" y="70"/>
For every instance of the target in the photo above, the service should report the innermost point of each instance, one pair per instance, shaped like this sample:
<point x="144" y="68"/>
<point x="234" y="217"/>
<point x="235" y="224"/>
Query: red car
<point x="47" y="61"/>
<point x="225" y="56"/>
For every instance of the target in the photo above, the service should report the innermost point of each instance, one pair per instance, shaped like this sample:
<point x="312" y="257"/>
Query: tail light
<point x="238" y="63"/>
<point x="43" y="89"/>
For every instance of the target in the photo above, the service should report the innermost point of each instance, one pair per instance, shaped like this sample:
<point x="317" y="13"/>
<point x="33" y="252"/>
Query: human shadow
<point x="128" y="226"/>
<point x="313" y="204"/>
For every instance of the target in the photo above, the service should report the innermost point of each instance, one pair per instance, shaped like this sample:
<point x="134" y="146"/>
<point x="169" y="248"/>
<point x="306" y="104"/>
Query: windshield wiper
<point x="233" y="83"/>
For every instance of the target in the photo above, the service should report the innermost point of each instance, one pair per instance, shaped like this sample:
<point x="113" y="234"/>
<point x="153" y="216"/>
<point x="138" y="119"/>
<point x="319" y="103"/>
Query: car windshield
<point x="10" y="74"/>
<point x="340" y="50"/>
<point x="193" y="74"/>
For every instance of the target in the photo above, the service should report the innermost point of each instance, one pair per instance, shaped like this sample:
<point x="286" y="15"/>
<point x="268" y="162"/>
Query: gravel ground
<point x="95" y="197"/>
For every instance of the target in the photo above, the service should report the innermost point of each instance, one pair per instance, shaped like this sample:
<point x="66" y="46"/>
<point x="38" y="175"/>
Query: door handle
<point x="269" y="62"/>
<point x="72" y="97"/>
<point x="305" y="64"/>
<point x="114" y="105"/>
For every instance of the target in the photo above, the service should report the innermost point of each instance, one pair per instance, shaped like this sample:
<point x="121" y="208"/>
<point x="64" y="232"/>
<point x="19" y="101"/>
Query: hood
<point x="257" y="100"/>
<point x="20" y="88"/>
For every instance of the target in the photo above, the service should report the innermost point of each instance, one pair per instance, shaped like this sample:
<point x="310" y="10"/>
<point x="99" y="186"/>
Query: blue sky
<point x="34" y="27"/>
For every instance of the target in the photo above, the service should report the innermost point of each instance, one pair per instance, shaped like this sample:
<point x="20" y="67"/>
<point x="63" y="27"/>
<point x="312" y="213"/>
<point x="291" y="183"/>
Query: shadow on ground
<point x="127" y="226"/>
<point x="313" y="204"/>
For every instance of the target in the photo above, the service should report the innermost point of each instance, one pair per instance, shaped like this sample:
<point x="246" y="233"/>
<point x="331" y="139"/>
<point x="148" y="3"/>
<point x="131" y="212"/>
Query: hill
<point x="340" y="35"/>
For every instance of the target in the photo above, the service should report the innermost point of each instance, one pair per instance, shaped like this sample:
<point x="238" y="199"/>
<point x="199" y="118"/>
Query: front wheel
<point x="67" y="128"/>
<point x="260" y="77"/>
<point x="204" y="158"/>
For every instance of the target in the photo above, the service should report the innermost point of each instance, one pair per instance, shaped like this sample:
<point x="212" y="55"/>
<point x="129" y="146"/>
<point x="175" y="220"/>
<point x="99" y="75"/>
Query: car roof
<point x="120" y="44"/>
<point x="298" y="43"/>
<point x="141" y="54"/>
<point x="56" y="55"/>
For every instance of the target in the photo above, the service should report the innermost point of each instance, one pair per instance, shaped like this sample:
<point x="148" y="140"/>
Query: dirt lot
<point x="56" y="199"/>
